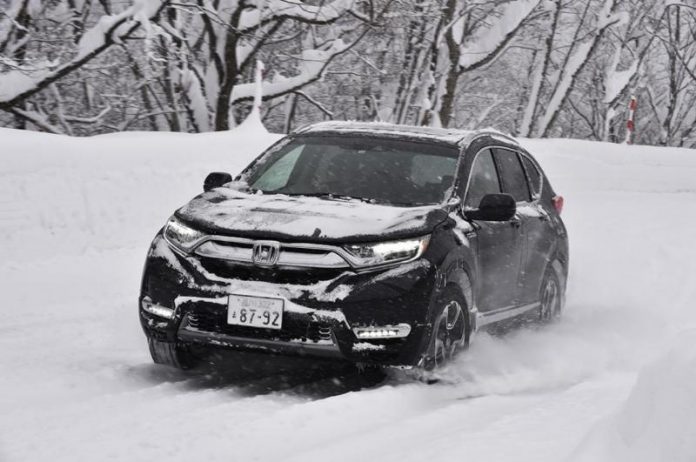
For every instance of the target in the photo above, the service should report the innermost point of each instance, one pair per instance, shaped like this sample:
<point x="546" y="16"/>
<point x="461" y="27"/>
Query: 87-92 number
<point x="252" y="316"/>
<point x="249" y="311"/>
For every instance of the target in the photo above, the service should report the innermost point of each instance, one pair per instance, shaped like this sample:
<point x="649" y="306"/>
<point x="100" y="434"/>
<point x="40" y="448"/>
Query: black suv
<point x="374" y="243"/>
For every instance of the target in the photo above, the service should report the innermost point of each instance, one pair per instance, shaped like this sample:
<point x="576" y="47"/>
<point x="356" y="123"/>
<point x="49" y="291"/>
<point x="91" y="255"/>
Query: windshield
<point x="371" y="169"/>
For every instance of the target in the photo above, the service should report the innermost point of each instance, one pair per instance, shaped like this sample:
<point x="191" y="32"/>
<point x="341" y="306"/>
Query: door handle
<point x="515" y="222"/>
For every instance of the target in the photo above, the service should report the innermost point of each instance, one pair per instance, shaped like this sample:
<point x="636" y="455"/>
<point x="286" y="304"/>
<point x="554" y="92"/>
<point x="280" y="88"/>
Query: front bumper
<point x="321" y="308"/>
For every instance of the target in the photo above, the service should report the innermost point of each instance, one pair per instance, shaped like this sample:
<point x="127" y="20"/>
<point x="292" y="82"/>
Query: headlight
<point x="383" y="253"/>
<point x="181" y="236"/>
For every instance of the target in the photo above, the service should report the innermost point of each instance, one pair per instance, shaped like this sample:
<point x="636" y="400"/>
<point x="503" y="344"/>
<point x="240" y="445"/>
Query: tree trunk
<point x="231" y="72"/>
<point x="674" y="37"/>
<point x="571" y="68"/>
<point x="452" y="77"/>
<point x="541" y="76"/>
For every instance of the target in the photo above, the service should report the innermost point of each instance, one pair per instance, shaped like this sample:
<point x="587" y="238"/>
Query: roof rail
<point x="452" y="136"/>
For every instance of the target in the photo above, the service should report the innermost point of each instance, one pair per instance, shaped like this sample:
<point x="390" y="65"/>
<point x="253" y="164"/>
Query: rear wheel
<point x="450" y="330"/>
<point x="171" y="354"/>
<point x="550" y="297"/>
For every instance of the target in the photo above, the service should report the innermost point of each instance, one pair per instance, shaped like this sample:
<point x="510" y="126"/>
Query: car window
<point x="512" y="175"/>
<point x="427" y="169"/>
<point x="382" y="170"/>
<point x="483" y="179"/>
<point x="278" y="174"/>
<point x="533" y="176"/>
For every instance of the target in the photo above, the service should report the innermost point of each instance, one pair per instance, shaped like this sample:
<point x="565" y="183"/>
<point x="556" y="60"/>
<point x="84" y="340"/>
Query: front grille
<point x="230" y="270"/>
<point x="296" y="255"/>
<point x="296" y="327"/>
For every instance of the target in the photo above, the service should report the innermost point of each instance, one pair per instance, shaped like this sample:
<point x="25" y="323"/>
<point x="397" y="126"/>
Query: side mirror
<point x="215" y="180"/>
<point x="494" y="207"/>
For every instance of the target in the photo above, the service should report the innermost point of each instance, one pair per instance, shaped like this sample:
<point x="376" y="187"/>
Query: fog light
<point x="382" y="332"/>
<point x="158" y="310"/>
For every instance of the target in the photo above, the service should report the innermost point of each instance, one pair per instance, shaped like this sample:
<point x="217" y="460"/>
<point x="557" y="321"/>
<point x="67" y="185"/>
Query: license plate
<point x="248" y="311"/>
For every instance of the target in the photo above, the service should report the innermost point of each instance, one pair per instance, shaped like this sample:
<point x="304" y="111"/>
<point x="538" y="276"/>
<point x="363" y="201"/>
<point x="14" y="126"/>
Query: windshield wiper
<point x="346" y="197"/>
<point x="329" y="195"/>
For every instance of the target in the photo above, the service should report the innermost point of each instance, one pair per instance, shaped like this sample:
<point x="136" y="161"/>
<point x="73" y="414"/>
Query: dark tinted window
<point x="512" y="175"/>
<point x="483" y="179"/>
<point x="380" y="170"/>
<point x="533" y="175"/>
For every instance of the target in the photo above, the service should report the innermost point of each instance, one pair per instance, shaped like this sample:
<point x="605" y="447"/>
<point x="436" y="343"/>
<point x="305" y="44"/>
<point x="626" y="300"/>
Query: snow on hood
<point x="230" y="211"/>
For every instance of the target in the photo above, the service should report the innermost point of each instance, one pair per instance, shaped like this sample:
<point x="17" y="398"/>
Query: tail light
<point x="558" y="204"/>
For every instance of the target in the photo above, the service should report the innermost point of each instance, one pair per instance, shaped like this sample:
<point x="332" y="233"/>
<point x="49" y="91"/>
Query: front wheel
<point x="450" y="332"/>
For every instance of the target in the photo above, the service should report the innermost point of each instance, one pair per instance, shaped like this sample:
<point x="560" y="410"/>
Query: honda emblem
<point x="265" y="253"/>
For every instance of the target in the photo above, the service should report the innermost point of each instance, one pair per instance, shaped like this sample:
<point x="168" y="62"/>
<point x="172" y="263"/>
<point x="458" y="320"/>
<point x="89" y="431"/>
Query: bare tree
<point x="532" y="67"/>
<point x="25" y="76"/>
<point x="672" y="94"/>
<point x="215" y="44"/>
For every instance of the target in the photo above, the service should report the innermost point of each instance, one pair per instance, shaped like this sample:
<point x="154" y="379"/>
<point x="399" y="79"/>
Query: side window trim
<point x="456" y="188"/>
<point x="457" y="183"/>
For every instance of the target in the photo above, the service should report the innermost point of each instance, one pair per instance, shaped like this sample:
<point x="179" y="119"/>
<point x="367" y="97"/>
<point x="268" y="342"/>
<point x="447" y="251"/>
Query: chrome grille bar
<point x="291" y="254"/>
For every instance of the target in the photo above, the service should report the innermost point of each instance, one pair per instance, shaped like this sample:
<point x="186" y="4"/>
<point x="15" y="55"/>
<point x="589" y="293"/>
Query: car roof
<point x="449" y="136"/>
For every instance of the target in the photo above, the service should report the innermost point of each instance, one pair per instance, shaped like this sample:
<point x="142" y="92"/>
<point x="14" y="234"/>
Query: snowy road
<point x="77" y="384"/>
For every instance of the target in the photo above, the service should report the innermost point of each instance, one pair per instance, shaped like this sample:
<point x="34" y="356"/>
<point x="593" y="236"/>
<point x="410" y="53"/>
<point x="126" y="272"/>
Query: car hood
<point x="275" y="216"/>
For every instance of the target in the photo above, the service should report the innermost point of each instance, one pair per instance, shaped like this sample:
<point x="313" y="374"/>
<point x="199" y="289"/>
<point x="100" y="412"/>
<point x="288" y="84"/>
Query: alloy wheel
<point x="450" y="334"/>
<point x="549" y="300"/>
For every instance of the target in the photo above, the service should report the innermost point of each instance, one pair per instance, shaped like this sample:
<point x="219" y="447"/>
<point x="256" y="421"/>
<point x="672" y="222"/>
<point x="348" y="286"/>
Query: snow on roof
<point x="451" y="136"/>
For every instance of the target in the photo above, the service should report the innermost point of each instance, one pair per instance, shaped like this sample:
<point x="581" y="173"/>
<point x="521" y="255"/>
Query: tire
<point x="450" y="331"/>
<point x="550" y="297"/>
<point x="370" y="375"/>
<point x="171" y="354"/>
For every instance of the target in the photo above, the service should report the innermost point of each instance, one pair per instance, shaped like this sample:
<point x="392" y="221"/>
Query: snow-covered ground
<point x="612" y="381"/>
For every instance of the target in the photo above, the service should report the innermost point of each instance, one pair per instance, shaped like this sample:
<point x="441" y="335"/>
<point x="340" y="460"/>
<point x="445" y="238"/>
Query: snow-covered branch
<point x="293" y="10"/>
<point x="575" y="62"/>
<point x="490" y="40"/>
<point x="24" y="81"/>
<point x="313" y="64"/>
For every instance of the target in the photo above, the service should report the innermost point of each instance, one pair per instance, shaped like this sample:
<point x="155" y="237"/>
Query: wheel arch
<point x="460" y="277"/>
<point x="459" y="269"/>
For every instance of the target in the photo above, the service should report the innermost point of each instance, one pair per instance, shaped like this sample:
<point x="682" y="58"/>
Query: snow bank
<point x="77" y="215"/>
<point x="658" y="421"/>
<point x="61" y="195"/>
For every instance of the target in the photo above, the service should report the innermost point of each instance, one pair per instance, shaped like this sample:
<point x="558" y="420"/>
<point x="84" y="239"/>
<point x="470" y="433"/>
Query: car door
<point x="539" y="233"/>
<point x="499" y="243"/>
<point x="514" y="180"/>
